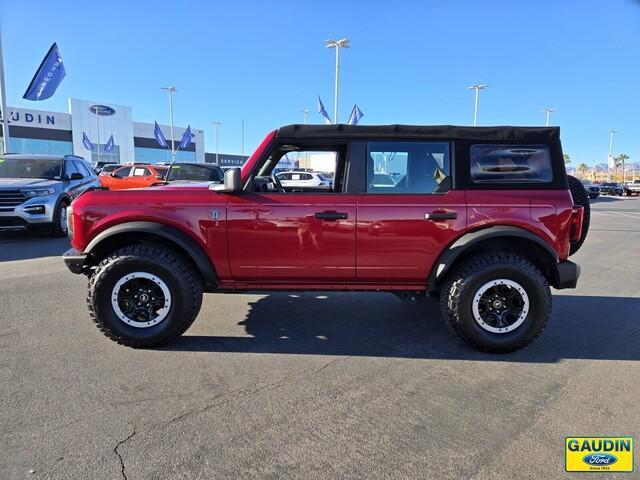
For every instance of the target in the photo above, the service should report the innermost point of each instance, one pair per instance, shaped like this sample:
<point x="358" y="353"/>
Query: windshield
<point x="203" y="173"/>
<point x="36" y="168"/>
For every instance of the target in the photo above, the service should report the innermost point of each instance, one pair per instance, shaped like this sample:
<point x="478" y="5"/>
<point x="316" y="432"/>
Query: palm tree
<point x="582" y="168"/>
<point x="567" y="158"/>
<point x="620" y="159"/>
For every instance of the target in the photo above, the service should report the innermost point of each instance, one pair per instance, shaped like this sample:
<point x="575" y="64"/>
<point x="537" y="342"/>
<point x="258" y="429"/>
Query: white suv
<point x="303" y="179"/>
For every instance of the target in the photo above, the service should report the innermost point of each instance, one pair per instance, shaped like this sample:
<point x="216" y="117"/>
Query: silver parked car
<point x="35" y="190"/>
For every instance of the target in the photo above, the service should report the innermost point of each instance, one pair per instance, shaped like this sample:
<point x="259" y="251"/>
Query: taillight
<point x="577" y="217"/>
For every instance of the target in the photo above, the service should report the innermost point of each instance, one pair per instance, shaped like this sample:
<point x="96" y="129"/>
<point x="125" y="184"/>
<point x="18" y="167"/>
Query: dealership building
<point x="57" y="133"/>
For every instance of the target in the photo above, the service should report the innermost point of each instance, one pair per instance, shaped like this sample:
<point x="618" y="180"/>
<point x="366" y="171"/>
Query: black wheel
<point x="144" y="295"/>
<point x="581" y="198"/>
<point x="496" y="302"/>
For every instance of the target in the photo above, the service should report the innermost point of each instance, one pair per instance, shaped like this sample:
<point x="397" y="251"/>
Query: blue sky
<point x="410" y="62"/>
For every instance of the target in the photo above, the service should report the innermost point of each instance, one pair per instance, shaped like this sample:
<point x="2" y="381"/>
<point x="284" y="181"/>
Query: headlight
<point x="39" y="192"/>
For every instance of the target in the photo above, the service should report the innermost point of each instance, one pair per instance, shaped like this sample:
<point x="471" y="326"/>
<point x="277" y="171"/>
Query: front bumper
<point x="23" y="215"/>
<point x="75" y="261"/>
<point x="565" y="275"/>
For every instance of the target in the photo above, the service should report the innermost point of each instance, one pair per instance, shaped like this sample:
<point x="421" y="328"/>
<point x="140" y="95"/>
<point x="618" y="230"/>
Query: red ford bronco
<point x="483" y="217"/>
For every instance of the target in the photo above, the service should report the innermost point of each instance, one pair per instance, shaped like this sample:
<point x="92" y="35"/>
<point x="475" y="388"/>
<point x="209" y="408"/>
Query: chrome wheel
<point x="500" y="306"/>
<point x="63" y="218"/>
<point x="141" y="299"/>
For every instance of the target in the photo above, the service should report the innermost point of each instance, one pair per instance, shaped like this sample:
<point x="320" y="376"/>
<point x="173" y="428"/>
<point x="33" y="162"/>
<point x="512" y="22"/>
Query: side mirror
<point x="76" y="176"/>
<point x="160" y="177"/>
<point x="232" y="182"/>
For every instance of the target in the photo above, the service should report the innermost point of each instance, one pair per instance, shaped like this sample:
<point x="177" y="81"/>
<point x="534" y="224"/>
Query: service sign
<point x="598" y="454"/>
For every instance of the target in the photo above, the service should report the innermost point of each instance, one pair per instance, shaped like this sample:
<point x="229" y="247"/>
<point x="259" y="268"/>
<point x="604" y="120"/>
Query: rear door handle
<point x="437" y="216"/>
<point x="331" y="216"/>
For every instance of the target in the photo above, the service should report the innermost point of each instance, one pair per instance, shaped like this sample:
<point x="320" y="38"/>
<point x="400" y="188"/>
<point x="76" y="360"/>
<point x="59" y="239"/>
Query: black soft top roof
<point x="543" y="135"/>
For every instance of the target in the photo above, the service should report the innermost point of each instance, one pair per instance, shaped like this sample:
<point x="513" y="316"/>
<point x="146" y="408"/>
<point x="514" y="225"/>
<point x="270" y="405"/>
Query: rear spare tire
<point x="580" y="198"/>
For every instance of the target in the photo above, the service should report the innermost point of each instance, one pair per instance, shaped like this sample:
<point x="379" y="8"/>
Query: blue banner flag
<point x="186" y="138"/>
<point x="86" y="142"/>
<point x="356" y="115"/>
<point x="159" y="136"/>
<point x="323" y="112"/>
<point x="109" y="145"/>
<point x="49" y="75"/>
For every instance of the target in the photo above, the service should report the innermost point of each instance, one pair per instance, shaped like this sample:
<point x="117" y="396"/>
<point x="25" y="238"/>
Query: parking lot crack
<point x="115" y="450"/>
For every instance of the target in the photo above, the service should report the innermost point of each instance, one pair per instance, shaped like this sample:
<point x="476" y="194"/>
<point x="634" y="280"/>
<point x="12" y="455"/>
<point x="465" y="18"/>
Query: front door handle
<point x="437" y="216"/>
<point x="331" y="216"/>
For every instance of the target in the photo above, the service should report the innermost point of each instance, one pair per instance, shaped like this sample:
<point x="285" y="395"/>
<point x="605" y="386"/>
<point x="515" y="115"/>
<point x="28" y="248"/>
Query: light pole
<point x="337" y="44"/>
<point x="306" y="114"/>
<point x="171" y="89"/>
<point x="548" y="112"/>
<point x="95" y="110"/>
<point x="215" y="129"/>
<point x="612" y="132"/>
<point x="3" y="106"/>
<point x="477" y="88"/>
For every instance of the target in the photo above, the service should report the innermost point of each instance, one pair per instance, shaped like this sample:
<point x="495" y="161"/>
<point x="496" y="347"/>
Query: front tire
<point x="144" y="295"/>
<point x="496" y="302"/>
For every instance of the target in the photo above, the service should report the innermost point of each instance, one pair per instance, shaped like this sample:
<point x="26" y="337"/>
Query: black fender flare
<point x="448" y="257"/>
<point x="172" y="234"/>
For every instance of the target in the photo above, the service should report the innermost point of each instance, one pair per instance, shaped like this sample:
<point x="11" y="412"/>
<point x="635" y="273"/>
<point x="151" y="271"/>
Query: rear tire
<point x="580" y="198"/>
<point x="471" y="286"/>
<point x="163" y="276"/>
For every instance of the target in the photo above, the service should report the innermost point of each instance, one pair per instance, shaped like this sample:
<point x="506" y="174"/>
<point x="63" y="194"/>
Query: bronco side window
<point x="510" y="164"/>
<point x="408" y="167"/>
<point x="301" y="168"/>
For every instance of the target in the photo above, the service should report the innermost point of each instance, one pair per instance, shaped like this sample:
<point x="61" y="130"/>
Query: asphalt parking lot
<point x="329" y="385"/>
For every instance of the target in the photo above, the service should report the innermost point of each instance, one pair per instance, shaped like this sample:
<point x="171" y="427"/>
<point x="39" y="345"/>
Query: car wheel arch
<point x="493" y="238"/>
<point x="123" y="234"/>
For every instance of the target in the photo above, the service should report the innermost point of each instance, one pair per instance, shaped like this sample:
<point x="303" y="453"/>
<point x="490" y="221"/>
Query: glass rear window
<point x="510" y="164"/>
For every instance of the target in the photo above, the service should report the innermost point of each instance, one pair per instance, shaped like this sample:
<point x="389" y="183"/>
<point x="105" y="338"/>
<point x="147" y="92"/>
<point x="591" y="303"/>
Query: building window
<point x="162" y="155"/>
<point x="39" y="146"/>
<point x="112" y="157"/>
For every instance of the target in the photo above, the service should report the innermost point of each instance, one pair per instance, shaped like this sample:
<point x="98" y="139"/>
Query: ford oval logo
<point x="102" y="110"/>
<point x="600" y="459"/>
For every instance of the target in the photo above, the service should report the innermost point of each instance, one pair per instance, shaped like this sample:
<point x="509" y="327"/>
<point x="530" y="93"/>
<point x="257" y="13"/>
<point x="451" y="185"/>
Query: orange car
<point x="133" y="176"/>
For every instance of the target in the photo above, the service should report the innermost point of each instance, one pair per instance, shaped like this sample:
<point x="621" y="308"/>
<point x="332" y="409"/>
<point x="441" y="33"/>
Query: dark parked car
<point x="194" y="172"/>
<point x="592" y="190"/>
<point x="109" y="168"/>
<point x="611" y="188"/>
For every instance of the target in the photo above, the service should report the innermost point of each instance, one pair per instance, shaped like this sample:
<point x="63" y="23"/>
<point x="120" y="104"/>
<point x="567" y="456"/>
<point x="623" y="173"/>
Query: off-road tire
<point x="580" y="198"/>
<point x="171" y="267"/>
<point x="458" y="291"/>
